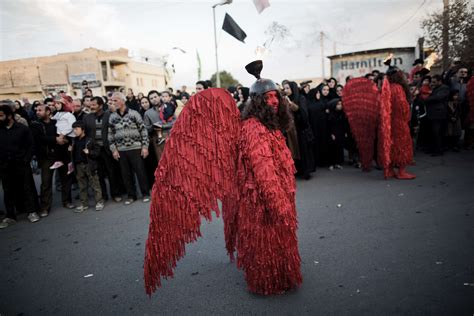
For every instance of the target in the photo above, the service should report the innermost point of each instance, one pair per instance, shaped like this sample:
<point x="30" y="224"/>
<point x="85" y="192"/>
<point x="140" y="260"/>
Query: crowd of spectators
<point x="106" y="145"/>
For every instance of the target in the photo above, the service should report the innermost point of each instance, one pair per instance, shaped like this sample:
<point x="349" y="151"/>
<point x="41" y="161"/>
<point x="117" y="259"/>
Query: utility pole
<point x="218" y="77"/>
<point x="445" y="34"/>
<point x="321" y="34"/>
<point x="223" y="2"/>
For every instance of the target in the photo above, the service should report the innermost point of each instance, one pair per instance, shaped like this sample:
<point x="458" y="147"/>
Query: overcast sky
<point x="31" y="28"/>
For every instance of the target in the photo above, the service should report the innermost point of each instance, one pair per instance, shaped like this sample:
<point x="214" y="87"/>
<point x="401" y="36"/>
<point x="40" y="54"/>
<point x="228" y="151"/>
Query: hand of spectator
<point x="144" y="153"/>
<point x="69" y="148"/>
<point x="327" y="111"/>
<point x="333" y="137"/>
<point x="86" y="151"/>
<point x="116" y="155"/>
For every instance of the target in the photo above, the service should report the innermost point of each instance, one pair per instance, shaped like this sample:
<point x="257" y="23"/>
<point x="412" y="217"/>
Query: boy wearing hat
<point x="84" y="155"/>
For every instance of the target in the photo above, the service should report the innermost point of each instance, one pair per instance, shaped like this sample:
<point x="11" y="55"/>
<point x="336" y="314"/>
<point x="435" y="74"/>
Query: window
<point x="138" y="82"/>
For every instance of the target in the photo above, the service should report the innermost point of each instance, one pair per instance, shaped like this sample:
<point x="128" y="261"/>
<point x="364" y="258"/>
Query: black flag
<point x="233" y="28"/>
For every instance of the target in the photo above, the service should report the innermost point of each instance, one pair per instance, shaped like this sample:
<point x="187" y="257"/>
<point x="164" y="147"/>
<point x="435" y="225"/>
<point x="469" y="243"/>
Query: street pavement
<point x="368" y="247"/>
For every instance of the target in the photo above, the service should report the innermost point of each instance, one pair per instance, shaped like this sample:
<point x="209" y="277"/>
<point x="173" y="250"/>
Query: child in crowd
<point x="64" y="121"/>
<point x="338" y="129"/>
<point x="167" y="117"/>
<point x="84" y="155"/>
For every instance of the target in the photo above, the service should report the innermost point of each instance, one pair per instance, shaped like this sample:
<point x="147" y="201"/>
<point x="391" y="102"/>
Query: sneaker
<point x="338" y="167"/>
<point x="129" y="201"/>
<point x="70" y="168"/>
<point x="81" y="209"/>
<point x="69" y="206"/>
<point x="43" y="213"/>
<point x="7" y="222"/>
<point x="118" y="199"/>
<point x="99" y="206"/>
<point x="331" y="168"/>
<point x="146" y="199"/>
<point x="56" y="165"/>
<point x="33" y="217"/>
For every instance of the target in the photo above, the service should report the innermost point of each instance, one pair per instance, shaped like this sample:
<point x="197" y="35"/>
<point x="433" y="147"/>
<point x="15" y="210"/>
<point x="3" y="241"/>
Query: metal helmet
<point x="262" y="85"/>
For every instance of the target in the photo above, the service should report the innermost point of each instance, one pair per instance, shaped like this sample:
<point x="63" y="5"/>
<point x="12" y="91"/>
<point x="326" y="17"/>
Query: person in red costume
<point x="214" y="154"/>
<point x="385" y="114"/>
<point x="401" y="150"/>
<point x="266" y="232"/>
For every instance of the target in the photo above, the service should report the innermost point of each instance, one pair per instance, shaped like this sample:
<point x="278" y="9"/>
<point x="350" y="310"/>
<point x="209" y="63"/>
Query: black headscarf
<point x="295" y="92"/>
<point x="245" y="93"/>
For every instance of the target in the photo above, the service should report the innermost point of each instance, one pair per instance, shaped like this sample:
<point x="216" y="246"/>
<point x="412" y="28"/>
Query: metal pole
<point x="218" y="78"/>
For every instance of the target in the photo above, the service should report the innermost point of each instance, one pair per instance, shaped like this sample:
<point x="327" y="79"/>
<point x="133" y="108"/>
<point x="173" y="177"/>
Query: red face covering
<point x="271" y="99"/>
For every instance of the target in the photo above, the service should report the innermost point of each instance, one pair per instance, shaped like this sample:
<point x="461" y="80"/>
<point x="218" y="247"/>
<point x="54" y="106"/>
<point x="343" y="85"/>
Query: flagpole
<point x="218" y="77"/>
<point x="223" y="2"/>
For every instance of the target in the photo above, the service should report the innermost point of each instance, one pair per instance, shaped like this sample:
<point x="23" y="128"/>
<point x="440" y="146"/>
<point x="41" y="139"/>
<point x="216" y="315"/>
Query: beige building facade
<point x="104" y="71"/>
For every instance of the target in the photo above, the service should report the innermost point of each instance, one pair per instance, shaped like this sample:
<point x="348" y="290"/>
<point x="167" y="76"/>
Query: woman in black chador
<point x="305" y="165"/>
<point x="318" y="116"/>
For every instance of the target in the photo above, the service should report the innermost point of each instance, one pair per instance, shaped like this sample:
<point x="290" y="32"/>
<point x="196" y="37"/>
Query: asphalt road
<point x="392" y="247"/>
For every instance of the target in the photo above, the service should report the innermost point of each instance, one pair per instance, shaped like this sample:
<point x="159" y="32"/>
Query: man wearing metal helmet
<point x="266" y="245"/>
<point x="244" y="162"/>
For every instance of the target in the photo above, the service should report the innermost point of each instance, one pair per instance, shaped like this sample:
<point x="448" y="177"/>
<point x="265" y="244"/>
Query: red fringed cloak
<point x="267" y="245"/>
<point x="360" y="99"/>
<point x="401" y="151"/>
<point x="211" y="155"/>
<point x="384" y="139"/>
<point x="387" y="114"/>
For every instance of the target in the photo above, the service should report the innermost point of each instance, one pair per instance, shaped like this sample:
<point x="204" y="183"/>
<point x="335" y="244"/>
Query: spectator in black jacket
<point x="78" y="109"/>
<point x="96" y="125"/>
<point x="45" y="141"/>
<point x="84" y="155"/>
<point x="437" y="113"/>
<point x="15" y="171"/>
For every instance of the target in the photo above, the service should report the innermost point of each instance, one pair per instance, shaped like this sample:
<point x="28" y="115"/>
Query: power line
<point x="384" y="34"/>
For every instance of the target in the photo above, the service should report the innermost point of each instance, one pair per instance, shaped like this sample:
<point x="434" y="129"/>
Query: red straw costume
<point x="389" y="110"/>
<point x="267" y="245"/>
<point x="401" y="154"/>
<point x="360" y="99"/>
<point x="212" y="155"/>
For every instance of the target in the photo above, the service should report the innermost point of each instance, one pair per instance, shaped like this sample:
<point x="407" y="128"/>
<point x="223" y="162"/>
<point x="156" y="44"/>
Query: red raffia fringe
<point x="196" y="169"/>
<point x="360" y="99"/>
<point x="385" y="127"/>
<point x="267" y="245"/>
<point x="401" y="153"/>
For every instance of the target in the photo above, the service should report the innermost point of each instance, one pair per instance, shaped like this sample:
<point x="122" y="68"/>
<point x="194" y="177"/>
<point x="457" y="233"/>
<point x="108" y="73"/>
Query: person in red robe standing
<point x="212" y="154"/>
<point x="401" y="149"/>
<point x="266" y="240"/>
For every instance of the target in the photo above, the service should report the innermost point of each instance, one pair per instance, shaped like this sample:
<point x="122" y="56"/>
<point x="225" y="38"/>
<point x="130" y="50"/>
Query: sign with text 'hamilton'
<point x="360" y="63"/>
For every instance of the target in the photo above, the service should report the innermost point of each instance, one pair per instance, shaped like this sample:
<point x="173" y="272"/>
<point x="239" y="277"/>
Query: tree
<point x="461" y="31"/>
<point x="226" y="80"/>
